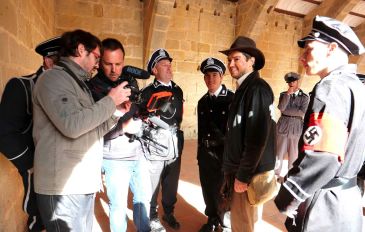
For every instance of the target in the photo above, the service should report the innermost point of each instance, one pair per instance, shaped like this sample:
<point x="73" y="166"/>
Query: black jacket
<point x="250" y="137"/>
<point x="99" y="86"/>
<point x="173" y="115"/>
<point x="16" y="140"/>
<point x="212" y="123"/>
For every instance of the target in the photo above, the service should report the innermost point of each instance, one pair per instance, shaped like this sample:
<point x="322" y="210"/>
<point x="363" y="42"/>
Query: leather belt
<point x="288" y="116"/>
<point x="341" y="182"/>
<point x="205" y="142"/>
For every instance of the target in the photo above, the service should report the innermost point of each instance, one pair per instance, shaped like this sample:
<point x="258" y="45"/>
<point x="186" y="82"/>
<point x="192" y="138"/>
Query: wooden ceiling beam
<point x="337" y="9"/>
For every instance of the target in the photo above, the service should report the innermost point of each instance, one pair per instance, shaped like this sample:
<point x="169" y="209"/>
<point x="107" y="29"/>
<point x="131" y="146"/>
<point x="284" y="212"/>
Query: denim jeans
<point x="66" y="213"/>
<point x="119" y="175"/>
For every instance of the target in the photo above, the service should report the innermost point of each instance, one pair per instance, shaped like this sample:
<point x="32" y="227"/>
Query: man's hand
<point x="291" y="90"/>
<point x="290" y="213"/>
<point x="239" y="186"/>
<point x="124" y="107"/>
<point x="120" y="94"/>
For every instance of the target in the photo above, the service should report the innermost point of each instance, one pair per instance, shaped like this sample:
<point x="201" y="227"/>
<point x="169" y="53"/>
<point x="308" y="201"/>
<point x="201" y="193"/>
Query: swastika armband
<point x="326" y="133"/>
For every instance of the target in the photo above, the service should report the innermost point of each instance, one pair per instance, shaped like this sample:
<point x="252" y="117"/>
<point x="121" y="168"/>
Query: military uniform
<point x="166" y="172"/>
<point x="321" y="186"/>
<point x="289" y="126"/>
<point x="16" y="140"/>
<point x="338" y="158"/>
<point x="212" y="120"/>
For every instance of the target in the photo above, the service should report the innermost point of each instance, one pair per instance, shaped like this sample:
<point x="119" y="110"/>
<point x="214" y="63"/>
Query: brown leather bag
<point x="263" y="187"/>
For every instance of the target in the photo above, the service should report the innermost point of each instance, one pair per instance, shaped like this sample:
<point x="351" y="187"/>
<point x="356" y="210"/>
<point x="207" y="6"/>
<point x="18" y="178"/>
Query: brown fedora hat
<point x="247" y="45"/>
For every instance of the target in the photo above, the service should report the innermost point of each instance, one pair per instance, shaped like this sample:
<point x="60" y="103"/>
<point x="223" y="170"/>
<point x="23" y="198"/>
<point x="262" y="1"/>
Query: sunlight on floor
<point x="192" y="194"/>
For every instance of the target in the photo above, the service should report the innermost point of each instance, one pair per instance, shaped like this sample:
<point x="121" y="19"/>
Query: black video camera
<point x="101" y="85"/>
<point x="130" y="74"/>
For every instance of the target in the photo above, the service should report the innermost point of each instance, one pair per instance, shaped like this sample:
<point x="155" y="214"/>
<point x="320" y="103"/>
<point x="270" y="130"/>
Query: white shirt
<point x="242" y="78"/>
<point x="216" y="93"/>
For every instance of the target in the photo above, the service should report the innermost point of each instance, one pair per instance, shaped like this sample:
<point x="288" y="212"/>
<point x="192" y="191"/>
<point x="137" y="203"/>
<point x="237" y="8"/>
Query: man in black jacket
<point x="16" y="141"/>
<point x="213" y="110"/>
<point x="250" y="137"/>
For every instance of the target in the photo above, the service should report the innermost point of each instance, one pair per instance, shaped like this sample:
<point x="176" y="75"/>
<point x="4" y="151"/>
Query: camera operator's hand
<point x="124" y="107"/>
<point x="120" y="94"/>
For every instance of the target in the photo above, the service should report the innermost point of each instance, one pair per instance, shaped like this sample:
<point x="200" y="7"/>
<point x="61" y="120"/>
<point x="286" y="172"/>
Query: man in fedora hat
<point x="320" y="191"/>
<point x="292" y="104"/>
<point x="213" y="110"/>
<point x="249" y="147"/>
<point x="16" y="141"/>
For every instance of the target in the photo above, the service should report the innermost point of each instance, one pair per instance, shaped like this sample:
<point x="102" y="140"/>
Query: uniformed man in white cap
<point x="320" y="191"/>
<point x="213" y="110"/>
<point x="16" y="141"/>
<point x="165" y="172"/>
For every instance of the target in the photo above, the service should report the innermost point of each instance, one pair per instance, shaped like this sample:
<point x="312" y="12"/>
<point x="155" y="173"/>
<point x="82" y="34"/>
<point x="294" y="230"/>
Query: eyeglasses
<point x="97" y="56"/>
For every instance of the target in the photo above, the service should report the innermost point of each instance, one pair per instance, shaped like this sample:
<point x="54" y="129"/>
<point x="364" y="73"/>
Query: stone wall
<point x="197" y="30"/>
<point x="23" y="24"/>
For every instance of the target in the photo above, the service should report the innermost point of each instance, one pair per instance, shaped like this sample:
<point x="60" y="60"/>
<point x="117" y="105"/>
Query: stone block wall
<point x="120" y="19"/>
<point x="197" y="30"/>
<point x="23" y="24"/>
<point x="278" y="41"/>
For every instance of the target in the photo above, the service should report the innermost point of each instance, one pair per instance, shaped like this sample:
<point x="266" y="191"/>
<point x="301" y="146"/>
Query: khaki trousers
<point x="243" y="215"/>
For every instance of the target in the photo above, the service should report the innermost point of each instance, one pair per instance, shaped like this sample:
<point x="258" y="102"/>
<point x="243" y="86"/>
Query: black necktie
<point x="213" y="98"/>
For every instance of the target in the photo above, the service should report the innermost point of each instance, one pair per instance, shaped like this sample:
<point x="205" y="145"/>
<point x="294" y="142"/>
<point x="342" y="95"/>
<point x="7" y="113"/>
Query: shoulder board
<point x="301" y="92"/>
<point x="150" y="84"/>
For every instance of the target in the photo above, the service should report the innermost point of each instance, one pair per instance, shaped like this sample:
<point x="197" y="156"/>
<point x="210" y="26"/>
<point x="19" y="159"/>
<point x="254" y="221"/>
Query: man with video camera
<point x="165" y="171"/>
<point x="124" y="163"/>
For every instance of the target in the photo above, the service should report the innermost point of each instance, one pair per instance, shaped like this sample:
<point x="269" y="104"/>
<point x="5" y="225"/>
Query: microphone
<point x="135" y="72"/>
<point x="159" y="122"/>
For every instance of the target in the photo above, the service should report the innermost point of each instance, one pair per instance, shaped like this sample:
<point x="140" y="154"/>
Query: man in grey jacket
<point x="68" y="130"/>
<point x="292" y="104"/>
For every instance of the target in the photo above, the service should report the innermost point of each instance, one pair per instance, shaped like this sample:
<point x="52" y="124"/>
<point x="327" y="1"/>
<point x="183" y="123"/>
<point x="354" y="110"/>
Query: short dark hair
<point x="72" y="39"/>
<point x="112" y="44"/>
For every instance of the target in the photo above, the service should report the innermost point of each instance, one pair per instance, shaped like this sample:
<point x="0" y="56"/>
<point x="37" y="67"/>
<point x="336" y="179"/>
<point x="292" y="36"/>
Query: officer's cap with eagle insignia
<point x="329" y="30"/>
<point x="212" y="64"/>
<point x="158" y="55"/>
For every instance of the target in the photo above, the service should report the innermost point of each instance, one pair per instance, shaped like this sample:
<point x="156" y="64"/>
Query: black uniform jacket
<point x="173" y="115"/>
<point x="212" y="123"/>
<point x="16" y="141"/>
<point x="250" y="138"/>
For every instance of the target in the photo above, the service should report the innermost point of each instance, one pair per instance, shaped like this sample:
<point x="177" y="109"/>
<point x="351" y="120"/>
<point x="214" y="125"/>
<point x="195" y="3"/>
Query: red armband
<point x="326" y="133"/>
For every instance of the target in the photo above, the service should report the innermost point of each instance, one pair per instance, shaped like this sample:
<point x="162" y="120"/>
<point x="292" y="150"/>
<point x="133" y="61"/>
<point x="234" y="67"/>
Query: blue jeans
<point x="119" y="175"/>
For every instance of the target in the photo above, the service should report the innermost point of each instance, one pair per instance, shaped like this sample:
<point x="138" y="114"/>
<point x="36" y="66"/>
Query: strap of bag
<point x="73" y="75"/>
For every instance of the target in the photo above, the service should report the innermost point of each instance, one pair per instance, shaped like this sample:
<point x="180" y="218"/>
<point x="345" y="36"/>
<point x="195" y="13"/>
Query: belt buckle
<point x="206" y="143"/>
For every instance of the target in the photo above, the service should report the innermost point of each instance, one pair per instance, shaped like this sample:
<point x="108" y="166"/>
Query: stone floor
<point x="190" y="205"/>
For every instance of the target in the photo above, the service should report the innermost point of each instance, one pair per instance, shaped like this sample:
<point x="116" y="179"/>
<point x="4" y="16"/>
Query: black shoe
<point x="35" y="224"/>
<point x="206" y="228"/>
<point x="171" y="221"/>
